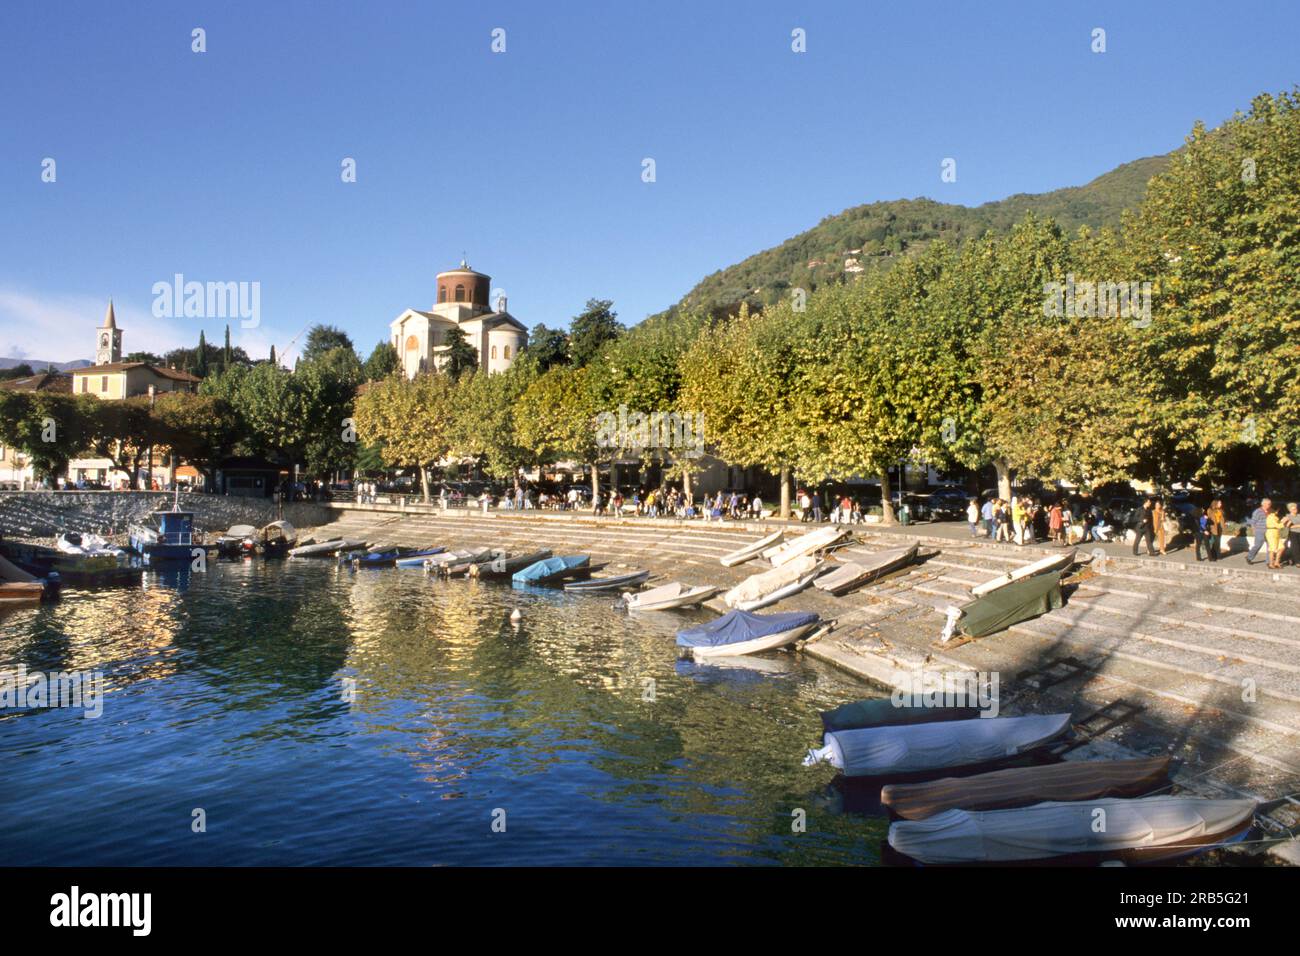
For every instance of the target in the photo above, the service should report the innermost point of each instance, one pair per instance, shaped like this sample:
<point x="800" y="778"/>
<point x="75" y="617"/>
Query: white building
<point x="421" y="337"/>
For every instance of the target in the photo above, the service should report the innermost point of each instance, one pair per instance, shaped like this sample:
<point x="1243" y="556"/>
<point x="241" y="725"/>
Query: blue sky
<point x="225" y="165"/>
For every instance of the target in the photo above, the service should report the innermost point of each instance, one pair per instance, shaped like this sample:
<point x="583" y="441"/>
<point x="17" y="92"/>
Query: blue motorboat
<point x="416" y="559"/>
<point x="553" y="570"/>
<point x="172" y="541"/>
<point x="743" y="632"/>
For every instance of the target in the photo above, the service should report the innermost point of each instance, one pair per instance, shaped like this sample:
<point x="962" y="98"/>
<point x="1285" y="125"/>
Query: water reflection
<point x="327" y="716"/>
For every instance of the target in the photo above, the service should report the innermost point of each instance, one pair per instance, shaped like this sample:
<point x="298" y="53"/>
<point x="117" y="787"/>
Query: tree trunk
<point x="424" y="483"/>
<point x="686" y="486"/>
<point x="886" y="498"/>
<point x="595" y="483"/>
<point x="1004" y="478"/>
<point x="785" y="492"/>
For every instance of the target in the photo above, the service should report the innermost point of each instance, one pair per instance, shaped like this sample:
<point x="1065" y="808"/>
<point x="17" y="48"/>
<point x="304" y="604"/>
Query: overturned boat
<point x="1144" y="830"/>
<point x="1053" y="562"/>
<point x="613" y="582"/>
<point x="809" y="543"/>
<point x="230" y="543"/>
<point x="768" y="587"/>
<point x="739" y="632"/>
<point x="854" y="574"/>
<point x="1024" y="786"/>
<point x="925" y="748"/>
<point x="998" y="610"/>
<point x="751" y="551"/>
<point x="555" y="570"/>
<point x="665" y="597"/>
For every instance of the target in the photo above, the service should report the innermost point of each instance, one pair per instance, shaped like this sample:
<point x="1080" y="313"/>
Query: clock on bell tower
<point x="108" y="348"/>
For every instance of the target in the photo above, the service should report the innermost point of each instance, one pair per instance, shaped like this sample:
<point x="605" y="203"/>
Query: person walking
<point x="973" y="517"/>
<point x="1259" y="525"/>
<point x="1056" y="524"/>
<point x="1145" y="529"/>
<point x="986" y="512"/>
<point x="817" y="507"/>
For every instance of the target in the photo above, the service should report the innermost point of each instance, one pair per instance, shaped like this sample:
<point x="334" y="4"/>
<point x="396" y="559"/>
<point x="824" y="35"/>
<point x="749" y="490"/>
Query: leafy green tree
<point x="22" y="370"/>
<point x="461" y="357"/>
<point x="382" y="362"/>
<point x="200" y="429"/>
<point x="555" y="419"/>
<point x="325" y="338"/>
<point x="484" y="421"/>
<point x="409" y="420"/>
<point x="546" y="348"/>
<point x="591" y="329"/>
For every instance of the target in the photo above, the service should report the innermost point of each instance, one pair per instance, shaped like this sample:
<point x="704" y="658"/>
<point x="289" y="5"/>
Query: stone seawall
<point x="41" y="514"/>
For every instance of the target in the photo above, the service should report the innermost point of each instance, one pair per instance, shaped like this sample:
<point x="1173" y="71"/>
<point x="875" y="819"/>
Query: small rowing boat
<point x="768" y="587"/>
<point x="668" y="596"/>
<point x="1053" y="562"/>
<point x="996" y="611"/>
<point x="751" y="551"/>
<point x="854" y="574"/>
<point x="611" y="583"/>
<point x="739" y="632"/>
<point x="925" y="748"/>
<point x="809" y="543"/>
<point x="1022" y="786"/>
<point x="1145" y="830"/>
<point x="17" y="586"/>
<point x="418" y="559"/>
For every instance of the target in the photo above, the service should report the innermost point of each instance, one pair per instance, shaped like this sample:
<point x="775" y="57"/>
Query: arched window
<point x="494" y="351"/>
<point x="442" y="293"/>
<point x="507" y="351"/>
<point x="460" y="293"/>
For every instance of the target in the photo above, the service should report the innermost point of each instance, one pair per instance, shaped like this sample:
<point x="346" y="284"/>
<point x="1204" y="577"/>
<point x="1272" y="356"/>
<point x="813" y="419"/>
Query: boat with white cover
<point x="739" y="632"/>
<point x="854" y="574"/>
<point x="326" y="549"/>
<point x="768" y="587"/>
<point x="665" y="597"/>
<point x="751" y="551"/>
<point x="922" y="748"/>
<point x="808" y="543"/>
<point x="1141" y="830"/>
<point x="1053" y="562"/>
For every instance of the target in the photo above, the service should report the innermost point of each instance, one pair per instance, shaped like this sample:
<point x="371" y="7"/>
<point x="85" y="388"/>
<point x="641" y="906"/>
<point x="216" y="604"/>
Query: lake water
<point x="227" y="692"/>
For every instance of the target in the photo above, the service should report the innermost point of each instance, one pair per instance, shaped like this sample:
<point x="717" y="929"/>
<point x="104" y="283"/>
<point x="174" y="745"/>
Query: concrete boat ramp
<point x="1198" y="661"/>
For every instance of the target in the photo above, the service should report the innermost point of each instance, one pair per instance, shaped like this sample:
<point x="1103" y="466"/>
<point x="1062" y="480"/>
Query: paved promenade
<point x="1211" y="653"/>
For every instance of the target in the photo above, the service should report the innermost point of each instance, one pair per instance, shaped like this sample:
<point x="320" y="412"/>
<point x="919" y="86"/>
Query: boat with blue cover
<point x="742" y="632"/>
<point x="554" y="570"/>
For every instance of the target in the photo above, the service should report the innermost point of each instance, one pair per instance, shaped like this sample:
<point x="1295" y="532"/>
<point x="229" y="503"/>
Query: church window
<point x="442" y="293"/>
<point x="460" y="293"/>
<point x="103" y="383"/>
<point x="412" y="343"/>
<point x="494" y="351"/>
<point x="507" y="352"/>
<point x="85" y="385"/>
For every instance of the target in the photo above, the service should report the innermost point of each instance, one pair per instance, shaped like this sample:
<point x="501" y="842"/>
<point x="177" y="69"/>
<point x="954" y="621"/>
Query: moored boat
<point x="809" y="543"/>
<point x="230" y="543"/>
<point x="172" y="541"/>
<point x="20" y="587"/>
<point x="418" y="560"/>
<point x="611" y="583"/>
<point x="1143" y="830"/>
<point x="751" y="551"/>
<point x="554" y="570"/>
<point x="1023" y="786"/>
<point x="768" y="587"/>
<point x="1053" y="562"/>
<point x="883" y="712"/>
<point x="854" y="574"/>
<point x="665" y="597"/>
<point x="740" y="632"/>
<point x="906" y="750"/>
<point x="275" y="540"/>
<point x="504" y="566"/>
<point x="997" y="610"/>
<point x="326" y="549"/>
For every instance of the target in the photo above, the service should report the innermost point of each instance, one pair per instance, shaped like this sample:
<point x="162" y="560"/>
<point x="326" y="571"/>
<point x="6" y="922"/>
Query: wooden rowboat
<point x="751" y="551"/>
<point x="1053" y="562"/>
<point x="854" y="574"/>
<point x="1022" y="786"/>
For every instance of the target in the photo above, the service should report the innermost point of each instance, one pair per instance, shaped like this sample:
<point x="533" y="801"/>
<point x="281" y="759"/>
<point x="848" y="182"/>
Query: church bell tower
<point x="108" y="347"/>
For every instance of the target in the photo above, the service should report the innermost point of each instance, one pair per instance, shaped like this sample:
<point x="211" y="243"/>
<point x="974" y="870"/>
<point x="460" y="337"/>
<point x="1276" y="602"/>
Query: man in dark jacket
<point x="1145" y="529"/>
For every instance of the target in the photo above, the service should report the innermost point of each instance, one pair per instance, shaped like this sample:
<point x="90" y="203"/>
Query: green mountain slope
<point x="871" y="236"/>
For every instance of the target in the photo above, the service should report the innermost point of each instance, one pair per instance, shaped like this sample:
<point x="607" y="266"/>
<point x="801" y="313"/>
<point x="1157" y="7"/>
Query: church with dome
<point x="420" y="337"/>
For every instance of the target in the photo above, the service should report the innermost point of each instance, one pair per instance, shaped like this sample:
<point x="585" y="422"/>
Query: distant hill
<point x="870" y="237"/>
<point x="39" y="365"/>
